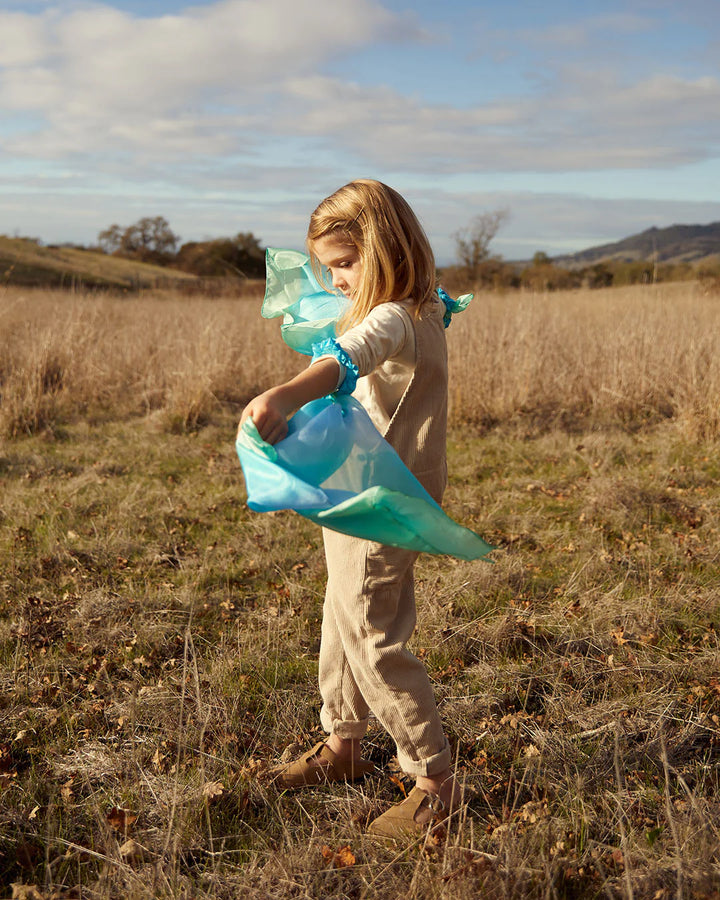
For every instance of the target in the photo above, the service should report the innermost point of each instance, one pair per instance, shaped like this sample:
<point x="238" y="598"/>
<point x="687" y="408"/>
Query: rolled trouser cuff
<point x="348" y="731"/>
<point x="431" y="765"/>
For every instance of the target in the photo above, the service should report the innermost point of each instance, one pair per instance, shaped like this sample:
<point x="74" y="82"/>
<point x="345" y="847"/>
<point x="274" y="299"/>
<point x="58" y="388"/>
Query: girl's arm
<point x="271" y="409"/>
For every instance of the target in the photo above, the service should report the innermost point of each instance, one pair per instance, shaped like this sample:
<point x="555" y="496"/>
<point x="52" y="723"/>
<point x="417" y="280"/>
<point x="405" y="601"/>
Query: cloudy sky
<point x="586" y="122"/>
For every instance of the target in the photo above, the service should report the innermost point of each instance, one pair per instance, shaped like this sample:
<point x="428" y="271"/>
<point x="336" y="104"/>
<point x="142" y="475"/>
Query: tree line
<point x="477" y="266"/>
<point x="152" y="240"/>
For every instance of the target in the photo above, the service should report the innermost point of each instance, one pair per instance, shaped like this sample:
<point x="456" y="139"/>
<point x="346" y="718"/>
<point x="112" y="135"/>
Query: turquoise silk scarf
<point x="334" y="467"/>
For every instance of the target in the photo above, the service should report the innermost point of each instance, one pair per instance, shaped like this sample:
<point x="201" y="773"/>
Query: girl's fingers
<point x="270" y="428"/>
<point x="276" y="433"/>
<point x="269" y="421"/>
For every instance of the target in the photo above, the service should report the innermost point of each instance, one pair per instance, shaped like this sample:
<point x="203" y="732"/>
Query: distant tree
<point x="493" y="275"/>
<point x="224" y="257"/>
<point x="110" y="239"/>
<point x="635" y="272"/>
<point x="472" y="243"/>
<point x="599" y="275"/>
<point x="543" y="275"/>
<point x="149" y="240"/>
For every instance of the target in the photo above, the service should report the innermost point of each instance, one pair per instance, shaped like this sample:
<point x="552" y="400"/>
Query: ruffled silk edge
<point x="452" y="307"/>
<point x="330" y="347"/>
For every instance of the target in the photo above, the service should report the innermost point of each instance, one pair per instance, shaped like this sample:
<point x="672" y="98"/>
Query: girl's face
<point x="342" y="262"/>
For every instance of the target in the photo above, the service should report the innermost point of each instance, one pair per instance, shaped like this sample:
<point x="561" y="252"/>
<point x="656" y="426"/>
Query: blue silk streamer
<point x="309" y="309"/>
<point x="334" y="467"/>
<point x="453" y="306"/>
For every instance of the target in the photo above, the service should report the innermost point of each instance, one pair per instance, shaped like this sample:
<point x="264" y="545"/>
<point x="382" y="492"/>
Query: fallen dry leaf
<point x="435" y="838"/>
<point x="340" y="858"/>
<point x="473" y="864"/>
<point x="131" y="851"/>
<point x="398" y="783"/>
<point x="213" y="790"/>
<point x="255" y="767"/>
<point x="26" y="892"/>
<point x="159" y="760"/>
<point x="6" y="761"/>
<point x="120" y="819"/>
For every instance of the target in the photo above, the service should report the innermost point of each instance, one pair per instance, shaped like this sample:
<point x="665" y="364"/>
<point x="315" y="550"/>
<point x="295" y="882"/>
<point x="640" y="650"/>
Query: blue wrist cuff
<point x="330" y="347"/>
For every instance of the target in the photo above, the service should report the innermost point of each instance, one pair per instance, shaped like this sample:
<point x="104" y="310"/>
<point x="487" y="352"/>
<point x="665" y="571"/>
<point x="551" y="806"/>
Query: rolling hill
<point x="675" y="244"/>
<point x="27" y="263"/>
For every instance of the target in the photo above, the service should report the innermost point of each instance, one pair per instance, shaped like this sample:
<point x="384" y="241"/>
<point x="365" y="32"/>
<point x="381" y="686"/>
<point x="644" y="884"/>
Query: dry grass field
<point x="158" y="641"/>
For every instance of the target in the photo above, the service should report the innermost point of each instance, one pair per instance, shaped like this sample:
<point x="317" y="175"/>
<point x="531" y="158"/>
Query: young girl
<point x="392" y="343"/>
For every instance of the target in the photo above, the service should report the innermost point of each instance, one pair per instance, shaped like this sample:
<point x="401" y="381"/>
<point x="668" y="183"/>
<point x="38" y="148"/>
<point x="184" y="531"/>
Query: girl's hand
<point x="269" y="414"/>
<point x="270" y="410"/>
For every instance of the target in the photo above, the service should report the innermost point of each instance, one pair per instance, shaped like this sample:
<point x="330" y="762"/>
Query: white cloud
<point x="585" y="122"/>
<point x="584" y="31"/>
<point x="240" y="114"/>
<point x="233" y="75"/>
<point x="22" y="39"/>
<point x="94" y="66"/>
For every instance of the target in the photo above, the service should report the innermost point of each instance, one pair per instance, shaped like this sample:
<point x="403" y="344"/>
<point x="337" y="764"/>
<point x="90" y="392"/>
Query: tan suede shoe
<point x="410" y="818"/>
<point x="319" y="766"/>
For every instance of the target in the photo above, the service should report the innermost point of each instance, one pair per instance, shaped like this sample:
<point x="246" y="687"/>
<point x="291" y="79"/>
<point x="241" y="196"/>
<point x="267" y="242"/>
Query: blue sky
<point x="586" y="122"/>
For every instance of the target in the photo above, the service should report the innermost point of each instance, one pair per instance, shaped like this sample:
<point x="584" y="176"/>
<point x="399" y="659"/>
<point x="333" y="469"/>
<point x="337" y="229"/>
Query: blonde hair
<point x="397" y="260"/>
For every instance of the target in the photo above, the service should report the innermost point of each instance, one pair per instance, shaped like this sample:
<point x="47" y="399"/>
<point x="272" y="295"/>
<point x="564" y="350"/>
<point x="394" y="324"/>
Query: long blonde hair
<point x="397" y="260"/>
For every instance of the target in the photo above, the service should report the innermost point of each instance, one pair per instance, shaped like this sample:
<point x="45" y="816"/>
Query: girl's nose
<point x="337" y="280"/>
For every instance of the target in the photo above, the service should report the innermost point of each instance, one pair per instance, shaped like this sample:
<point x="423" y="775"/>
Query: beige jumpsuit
<point x="369" y="612"/>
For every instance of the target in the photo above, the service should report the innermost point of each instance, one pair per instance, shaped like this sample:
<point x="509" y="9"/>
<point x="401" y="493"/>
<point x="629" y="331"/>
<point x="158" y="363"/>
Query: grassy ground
<point x="158" y="645"/>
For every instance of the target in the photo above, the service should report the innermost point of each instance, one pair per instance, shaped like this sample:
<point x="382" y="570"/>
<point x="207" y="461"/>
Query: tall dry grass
<point x="65" y="356"/>
<point x="619" y="355"/>
<point x="627" y="355"/>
